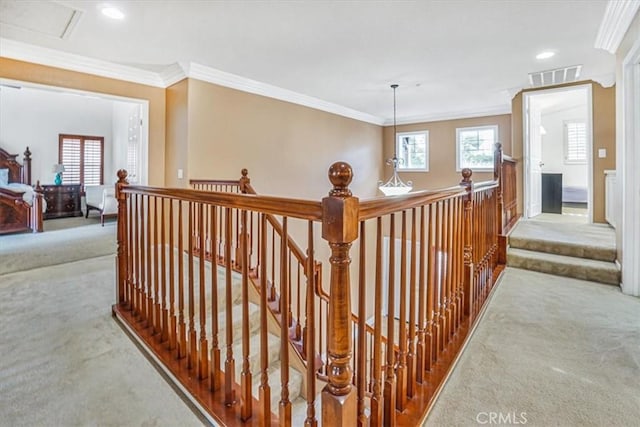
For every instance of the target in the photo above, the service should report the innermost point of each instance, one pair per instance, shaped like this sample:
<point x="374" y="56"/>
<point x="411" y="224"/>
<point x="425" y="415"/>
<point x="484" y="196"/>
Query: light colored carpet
<point x="66" y="362"/>
<point x="564" y="352"/>
<point x="20" y="252"/>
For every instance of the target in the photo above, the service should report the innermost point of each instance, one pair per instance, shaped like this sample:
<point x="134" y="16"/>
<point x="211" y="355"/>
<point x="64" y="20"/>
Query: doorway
<point x="558" y="155"/>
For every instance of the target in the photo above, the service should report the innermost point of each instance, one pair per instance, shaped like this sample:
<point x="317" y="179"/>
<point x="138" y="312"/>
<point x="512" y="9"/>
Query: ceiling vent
<point x="48" y="18"/>
<point x="555" y="77"/>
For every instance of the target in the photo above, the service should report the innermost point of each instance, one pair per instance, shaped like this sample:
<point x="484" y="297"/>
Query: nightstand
<point x="62" y="200"/>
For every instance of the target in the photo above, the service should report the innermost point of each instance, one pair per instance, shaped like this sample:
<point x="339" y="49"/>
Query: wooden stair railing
<point x="186" y="259"/>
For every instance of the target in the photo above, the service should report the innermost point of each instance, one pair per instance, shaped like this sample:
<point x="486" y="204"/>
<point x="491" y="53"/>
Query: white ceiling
<point x="450" y="58"/>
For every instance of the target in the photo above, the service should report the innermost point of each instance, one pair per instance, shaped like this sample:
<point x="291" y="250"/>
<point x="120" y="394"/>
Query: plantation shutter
<point x="576" y="142"/>
<point x="71" y="158"/>
<point x="83" y="159"/>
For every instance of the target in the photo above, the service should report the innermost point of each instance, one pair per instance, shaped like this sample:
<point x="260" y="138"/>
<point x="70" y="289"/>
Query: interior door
<point x="533" y="139"/>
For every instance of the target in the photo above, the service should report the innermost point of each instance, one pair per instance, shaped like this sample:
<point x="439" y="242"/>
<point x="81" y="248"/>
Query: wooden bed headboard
<point x="17" y="172"/>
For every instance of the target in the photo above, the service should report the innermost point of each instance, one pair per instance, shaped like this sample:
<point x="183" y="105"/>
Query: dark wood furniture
<point x="552" y="193"/>
<point x="15" y="213"/>
<point x="62" y="200"/>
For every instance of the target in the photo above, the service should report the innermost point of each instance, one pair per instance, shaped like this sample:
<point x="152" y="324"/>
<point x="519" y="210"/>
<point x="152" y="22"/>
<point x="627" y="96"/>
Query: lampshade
<point x="57" y="168"/>
<point x="394" y="185"/>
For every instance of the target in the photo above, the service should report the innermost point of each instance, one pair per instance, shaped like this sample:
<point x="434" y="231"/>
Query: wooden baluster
<point x="440" y="315"/>
<point x="265" y="390"/>
<point x="361" y="370"/>
<point x="377" y="403"/>
<point x="421" y="347"/>
<point x="456" y="262"/>
<point x="340" y="229"/>
<point x="311" y="420"/>
<point x="245" y="377"/>
<point x="446" y="252"/>
<point x="214" y="381"/>
<point x="136" y="257"/>
<point x="149" y="264"/>
<point x="229" y="363"/>
<point x="467" y="278"/>
<point x="172" y="291"/>
<point x="290" y="313"/>
<point x="131" y="255"/>
<point x="143" y="278"/>
<point x="157" y="323"/>
<point x="390" y="377"/>
<point x="193" y="345"/>
<point x="431" y="350"/>
<point x="272" y="288"/>
<point x="163" y="247"/>
<point x="285" y="403"/>
<point x="450" y="268"/>
<point x="298" y="328"/>
<point x="123" y="271"/>
<point x="401" y="371"/>
<point x="411" y="356"/>
<point x="182" y="333"/>
<point x="203" y="363"/>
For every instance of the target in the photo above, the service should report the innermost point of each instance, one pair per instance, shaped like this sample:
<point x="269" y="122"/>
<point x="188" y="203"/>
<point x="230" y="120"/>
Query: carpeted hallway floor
<point x="561" y="351"/>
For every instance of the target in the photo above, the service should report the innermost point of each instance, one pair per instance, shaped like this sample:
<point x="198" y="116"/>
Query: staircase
<point x="273" y="341"/>
<point x="581" y="251"/>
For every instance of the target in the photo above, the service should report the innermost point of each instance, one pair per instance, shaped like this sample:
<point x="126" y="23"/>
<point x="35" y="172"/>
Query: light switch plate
<point x="180" y="174"/>
<point x="602" y="153"/>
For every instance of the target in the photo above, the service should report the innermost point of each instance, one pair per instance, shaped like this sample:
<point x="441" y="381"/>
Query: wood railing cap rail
<point x="485" y="185"/>
<point x="384" y="205"/>
<point x="293" y="208"/>
<point x="506" y="158"/>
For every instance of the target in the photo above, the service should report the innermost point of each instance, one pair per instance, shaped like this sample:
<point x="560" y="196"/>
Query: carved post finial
<point x="340" y="176"/>
<point x="466" y="176"/>
<point x="27" y="153"/>
<point x="244" y="172"/>
<point x="122" y="176"/>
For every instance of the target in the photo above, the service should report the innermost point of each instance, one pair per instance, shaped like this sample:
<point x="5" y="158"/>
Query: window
<point x="575" y="142"/>
<point x="475" y="147"/>
<point x="83" y="159"/>
<point x="413" y="151"/>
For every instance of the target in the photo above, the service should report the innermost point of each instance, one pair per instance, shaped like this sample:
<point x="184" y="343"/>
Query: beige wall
<point x="287" y="148"/>
<point x="40" y="74"/>
<point x="177" y="134"/>
<point x="442" y="150"/>
<point x="604" y="136"/>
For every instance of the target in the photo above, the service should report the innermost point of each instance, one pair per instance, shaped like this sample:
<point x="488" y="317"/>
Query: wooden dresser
<point x="62" y="200"/>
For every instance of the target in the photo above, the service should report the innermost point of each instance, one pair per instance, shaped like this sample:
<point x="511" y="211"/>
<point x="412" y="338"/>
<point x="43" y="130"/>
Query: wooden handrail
<point x="381" y="206"/>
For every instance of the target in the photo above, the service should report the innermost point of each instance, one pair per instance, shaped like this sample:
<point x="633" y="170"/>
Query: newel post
<point x="36" y="211"/>
<point x="467" y="231"/>
<point x="244" y="181"/>
<point x="339" y="228"/>
<point x="497" y="175"/>
<point x="122" y="235"/>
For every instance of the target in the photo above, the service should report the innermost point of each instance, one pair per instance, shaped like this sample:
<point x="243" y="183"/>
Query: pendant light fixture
<point x="395" y="185"/>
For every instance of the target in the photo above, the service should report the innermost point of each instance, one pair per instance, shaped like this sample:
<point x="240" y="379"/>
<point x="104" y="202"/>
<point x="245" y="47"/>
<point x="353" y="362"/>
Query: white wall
<point x="553" y="146"/>
<point x="35" y="117"/>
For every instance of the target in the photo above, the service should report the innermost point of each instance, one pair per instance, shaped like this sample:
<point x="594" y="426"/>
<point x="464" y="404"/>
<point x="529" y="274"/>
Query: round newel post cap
<point x="340" y="176"/>
<point x="122" y="175"/>
<point x="466" y="175"/>
<point x="244" y="172"/>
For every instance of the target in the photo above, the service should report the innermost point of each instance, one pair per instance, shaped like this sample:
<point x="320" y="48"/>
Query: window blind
<point x="83" y="159"/>
<point x="576" y="142"/>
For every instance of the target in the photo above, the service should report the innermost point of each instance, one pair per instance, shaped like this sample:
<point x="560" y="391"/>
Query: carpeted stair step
<point x="273" y="346"/>
<point x="236" y="315"/>
<point x="562" y="265"/>
<point x="295" y="386"/>
<point x="591" y="241"/>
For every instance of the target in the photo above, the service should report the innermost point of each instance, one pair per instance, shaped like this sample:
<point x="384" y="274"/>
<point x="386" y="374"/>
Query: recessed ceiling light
<point x="112" y="12"/>
<point x="545" y="55"/>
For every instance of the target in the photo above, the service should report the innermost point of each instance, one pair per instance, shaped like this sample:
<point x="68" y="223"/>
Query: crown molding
<point x="615" y="23"/>
<point x="222" y="78"/>
<point x="174" y="73"/>
<point x="70" y="61"/>
<point x="453" y="115"/>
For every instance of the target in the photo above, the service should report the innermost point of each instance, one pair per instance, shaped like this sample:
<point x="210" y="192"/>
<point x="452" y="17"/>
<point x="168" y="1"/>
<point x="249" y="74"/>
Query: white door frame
<point x="526" y="148"/>
<point x="628" y="159"/>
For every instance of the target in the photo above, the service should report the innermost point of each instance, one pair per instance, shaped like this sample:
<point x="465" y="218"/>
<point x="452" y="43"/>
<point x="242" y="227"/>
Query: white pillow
<point x="4" y="176"/>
